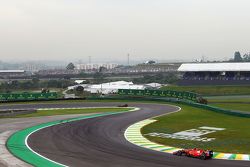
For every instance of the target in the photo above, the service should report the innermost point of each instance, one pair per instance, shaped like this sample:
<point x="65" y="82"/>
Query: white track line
<point x="26" y="139"/>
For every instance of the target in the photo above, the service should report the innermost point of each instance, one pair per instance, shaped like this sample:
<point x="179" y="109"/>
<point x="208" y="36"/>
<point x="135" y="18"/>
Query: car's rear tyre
<point x="203" y="156"/>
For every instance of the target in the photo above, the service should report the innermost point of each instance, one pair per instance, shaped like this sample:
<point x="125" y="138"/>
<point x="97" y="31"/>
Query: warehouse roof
<point x="12" y="71"/>
<point x="200" y="67"/>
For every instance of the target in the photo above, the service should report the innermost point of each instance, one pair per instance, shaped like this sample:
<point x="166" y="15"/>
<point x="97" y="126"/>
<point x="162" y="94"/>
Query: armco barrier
<point x="159" y="93"/>
<point x="175" y="100"/>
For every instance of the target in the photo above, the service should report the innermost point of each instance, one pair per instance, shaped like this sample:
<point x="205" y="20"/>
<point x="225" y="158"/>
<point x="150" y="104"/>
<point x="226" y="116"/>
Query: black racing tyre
<point x="179" y="153"/>
<point x="203" y="156"/>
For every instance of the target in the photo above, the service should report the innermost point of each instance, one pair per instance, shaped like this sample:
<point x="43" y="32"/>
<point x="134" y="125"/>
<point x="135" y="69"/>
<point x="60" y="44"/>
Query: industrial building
<point x="11" y="73"/>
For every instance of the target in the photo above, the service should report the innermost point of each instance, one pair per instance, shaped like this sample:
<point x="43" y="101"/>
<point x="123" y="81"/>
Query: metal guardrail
<point x="15" y="112"/>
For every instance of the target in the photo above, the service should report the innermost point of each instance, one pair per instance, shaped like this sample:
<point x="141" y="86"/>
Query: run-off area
<point x="185" y="129"/>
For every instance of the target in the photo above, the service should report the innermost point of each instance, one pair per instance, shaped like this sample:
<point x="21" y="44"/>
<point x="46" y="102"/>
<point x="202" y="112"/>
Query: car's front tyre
<point x="179" y="153"/>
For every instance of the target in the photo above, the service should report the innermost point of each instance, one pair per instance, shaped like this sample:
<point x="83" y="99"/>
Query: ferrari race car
<point x="196" y="153"/>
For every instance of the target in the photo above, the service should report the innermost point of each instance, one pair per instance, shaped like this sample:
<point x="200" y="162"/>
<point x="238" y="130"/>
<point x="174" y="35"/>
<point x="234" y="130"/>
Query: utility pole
<point x="128" y="59"/>
<point x="89" y="59"/>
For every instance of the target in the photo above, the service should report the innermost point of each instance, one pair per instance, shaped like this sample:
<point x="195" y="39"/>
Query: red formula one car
<point x="196" y="153"/>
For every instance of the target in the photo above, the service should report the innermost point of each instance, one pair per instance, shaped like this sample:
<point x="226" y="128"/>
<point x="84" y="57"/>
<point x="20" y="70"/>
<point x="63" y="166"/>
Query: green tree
<point x="82" y="74"/>
<point x="26" y="85"/>
<point x="237" y="57"/>
<point x="98" y="77"/>
<point x="35" y="82"/>
<point x="102" y="69"/>
<point x="70" y="66"/>
<point x="14" y="84"/>
<point x="246" y="57"/>
<point x="53" y="84"/>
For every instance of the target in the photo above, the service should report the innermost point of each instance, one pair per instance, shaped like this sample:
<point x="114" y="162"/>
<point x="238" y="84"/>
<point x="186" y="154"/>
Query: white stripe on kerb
<point x="245" y="157"/>
<point x="226" y="156"/>
<point x="26" y="143"/>
<point x="211" y="128"/>
<point x="132" y="108"/>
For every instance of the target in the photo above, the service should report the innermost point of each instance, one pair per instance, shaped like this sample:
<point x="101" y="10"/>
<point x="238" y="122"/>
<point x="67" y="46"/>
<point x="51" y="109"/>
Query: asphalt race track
<point x="100" y="142"/>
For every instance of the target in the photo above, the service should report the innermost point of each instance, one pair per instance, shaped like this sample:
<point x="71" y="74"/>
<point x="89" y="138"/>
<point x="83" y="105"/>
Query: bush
<point x="201" y="100"/>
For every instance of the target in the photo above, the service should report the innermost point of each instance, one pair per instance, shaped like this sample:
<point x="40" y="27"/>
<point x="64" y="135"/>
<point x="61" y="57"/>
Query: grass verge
<point x="234" y="106"/>
<point x="212" y="90"/>
<point x="231" y="99"/>
<point x="40" y="113"/>
<point x="235" y="139"/>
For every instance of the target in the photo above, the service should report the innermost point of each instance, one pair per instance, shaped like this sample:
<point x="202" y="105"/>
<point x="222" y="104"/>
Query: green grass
<point x="235" y="139"/>
<point x="43" y="102"/>
<point x="234" y="106"/>
<point x="231" y="99"/>
<point x="40" y="113"/>
<point x="54" y="102"/>
<point x="212" y="90"/>
<point x="240" y="103"/>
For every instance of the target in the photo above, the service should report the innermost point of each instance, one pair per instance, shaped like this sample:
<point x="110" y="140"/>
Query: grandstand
<point x="215" y="74"/>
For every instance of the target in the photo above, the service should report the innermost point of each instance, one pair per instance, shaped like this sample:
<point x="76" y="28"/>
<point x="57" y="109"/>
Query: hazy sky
<point x="107" y="30"/>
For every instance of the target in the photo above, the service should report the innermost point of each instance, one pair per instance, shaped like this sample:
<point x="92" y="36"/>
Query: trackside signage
<point x="191" y="134"/>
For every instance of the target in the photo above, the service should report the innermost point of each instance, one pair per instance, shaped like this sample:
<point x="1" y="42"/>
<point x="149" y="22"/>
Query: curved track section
<point x="100" y="142"/>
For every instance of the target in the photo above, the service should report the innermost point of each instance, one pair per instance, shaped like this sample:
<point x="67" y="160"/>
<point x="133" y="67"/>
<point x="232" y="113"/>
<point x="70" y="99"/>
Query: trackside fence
<point x="124" y="94"/>
<point x="159" y="93"/>
<point x="27" y="96"/>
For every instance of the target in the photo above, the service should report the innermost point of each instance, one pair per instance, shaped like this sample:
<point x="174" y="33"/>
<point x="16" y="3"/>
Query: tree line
<point x="239" y="58"/>
<point x="35" y="83"/>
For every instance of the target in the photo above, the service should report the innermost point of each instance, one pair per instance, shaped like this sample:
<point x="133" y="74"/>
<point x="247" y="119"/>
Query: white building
<point x="154" y="85"/>
<point x="80" y="81"/>
<point x="110" y="87"/>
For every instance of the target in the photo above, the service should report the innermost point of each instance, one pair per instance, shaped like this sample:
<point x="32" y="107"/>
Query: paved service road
<point x="100" y="142"/>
